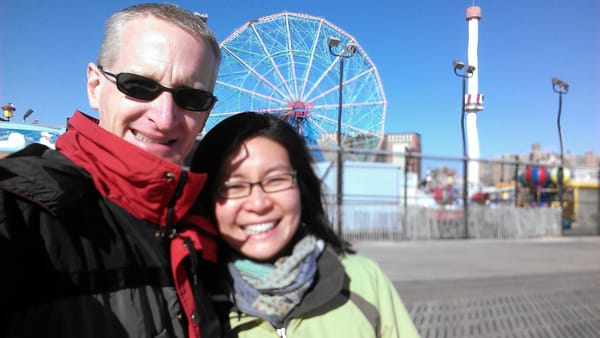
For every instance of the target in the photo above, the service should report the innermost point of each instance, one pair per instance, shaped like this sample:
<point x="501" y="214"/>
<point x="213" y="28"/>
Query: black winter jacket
<point x="78" y="261"/>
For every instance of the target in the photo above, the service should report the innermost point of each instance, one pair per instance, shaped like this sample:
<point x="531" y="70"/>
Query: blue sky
<point x="46" y="45"/>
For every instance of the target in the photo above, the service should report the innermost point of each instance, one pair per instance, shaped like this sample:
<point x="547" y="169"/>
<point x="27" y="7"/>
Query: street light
<point x="561" y="88"/>
<point x="27" y="114"/>
<point x="464" y="71"/>
<point x="347" y="52"/>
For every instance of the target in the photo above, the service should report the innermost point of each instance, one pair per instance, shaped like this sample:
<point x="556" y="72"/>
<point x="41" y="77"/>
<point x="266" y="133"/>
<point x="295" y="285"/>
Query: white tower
<point x="473" y="99"/>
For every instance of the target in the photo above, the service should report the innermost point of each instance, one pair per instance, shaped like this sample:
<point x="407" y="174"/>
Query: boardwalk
<point x="546" y="287"/>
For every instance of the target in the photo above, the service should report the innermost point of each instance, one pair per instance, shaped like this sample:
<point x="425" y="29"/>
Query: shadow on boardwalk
<point x="548" y="287"/>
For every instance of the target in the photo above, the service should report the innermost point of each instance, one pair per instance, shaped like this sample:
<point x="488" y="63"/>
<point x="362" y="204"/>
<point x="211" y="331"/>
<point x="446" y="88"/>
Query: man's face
<point x="172" y="57"/>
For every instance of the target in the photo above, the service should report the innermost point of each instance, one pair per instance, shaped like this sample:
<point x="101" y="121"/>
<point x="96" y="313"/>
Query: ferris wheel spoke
<point x="350" y="102"/>
<point x="317" y="83"/>
<point x="322" y="117"/>
<point x="345" y="125"/>
<point x="311" y="59"/>
<point x="273" y="63"/>
<point x="254" y="71"/>
<point x="345" y="106"/>
<point x="319" y="127"/>
<point x="281" y="111"/>
<point x="359" y="130"/>
<point x="292" y="61"/>
<point x="323" y="93"/>
<point x="363" y="104"/>
<point x="357" y="77"/>
<point x="274" y="110"/>
<point x="219" y="115"/>
<point x="252" y="92"/>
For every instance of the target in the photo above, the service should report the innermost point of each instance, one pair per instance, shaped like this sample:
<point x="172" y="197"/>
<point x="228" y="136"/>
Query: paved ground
<point x="546" y="287"/>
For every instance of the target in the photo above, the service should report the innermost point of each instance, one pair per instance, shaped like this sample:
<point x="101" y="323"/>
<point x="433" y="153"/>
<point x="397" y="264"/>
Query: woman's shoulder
<point x="358" y="266"/>
<point x="359" y="261"/>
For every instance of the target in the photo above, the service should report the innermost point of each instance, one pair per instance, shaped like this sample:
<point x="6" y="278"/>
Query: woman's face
<point x="261" y="224"/>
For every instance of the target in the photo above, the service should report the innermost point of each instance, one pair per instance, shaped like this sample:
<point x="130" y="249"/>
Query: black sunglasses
<point x="143" y="88"/>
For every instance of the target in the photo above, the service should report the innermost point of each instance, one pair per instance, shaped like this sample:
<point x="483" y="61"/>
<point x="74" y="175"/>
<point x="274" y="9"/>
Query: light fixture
<point x="350" y="47"/>
<point x="333" y="42"/>
<point x="458" y="64"/>
<point x="559" y="85"/>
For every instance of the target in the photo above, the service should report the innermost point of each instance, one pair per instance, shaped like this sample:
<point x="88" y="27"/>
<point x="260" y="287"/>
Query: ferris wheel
<point x="281" y="64"/>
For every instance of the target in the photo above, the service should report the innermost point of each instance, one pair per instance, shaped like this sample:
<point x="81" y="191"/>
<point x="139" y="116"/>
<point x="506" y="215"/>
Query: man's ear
<point x="93" y="85"/>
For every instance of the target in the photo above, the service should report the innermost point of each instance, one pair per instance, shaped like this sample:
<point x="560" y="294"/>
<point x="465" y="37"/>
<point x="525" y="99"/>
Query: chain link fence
<point x="414" y="196"/>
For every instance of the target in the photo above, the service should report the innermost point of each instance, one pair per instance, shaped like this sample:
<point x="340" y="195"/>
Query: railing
<point x="408" y="205"/>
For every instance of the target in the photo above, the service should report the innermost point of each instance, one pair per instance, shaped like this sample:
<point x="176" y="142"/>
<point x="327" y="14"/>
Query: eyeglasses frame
<point x="250" y="185"/>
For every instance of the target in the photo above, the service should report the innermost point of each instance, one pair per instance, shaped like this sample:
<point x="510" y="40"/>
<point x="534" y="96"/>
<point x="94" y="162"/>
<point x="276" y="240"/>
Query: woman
<point x="287" y="273"/>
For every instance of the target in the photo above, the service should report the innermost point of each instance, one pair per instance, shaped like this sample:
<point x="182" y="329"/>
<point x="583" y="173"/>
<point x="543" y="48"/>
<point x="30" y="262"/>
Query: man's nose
<point x="164" y="111"/>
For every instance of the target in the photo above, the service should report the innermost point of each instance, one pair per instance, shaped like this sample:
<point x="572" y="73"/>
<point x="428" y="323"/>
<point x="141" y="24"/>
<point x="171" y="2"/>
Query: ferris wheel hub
<point x="300" y="109"/>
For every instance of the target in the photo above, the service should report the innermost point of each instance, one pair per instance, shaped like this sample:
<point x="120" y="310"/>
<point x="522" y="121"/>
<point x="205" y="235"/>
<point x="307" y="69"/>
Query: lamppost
<point x="406" y="164"/>
<point x="346" y="52"/>
<point x="561" y="88"/>
<point x="27" y="114"/>
<point x="464" y="71"/>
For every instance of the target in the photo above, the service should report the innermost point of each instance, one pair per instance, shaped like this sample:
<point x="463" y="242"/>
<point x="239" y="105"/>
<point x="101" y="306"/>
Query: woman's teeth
<point x="258" y="228"/>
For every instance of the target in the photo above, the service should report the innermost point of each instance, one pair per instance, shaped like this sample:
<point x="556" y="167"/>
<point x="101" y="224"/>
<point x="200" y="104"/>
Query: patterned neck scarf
<point x="271" y="291"/>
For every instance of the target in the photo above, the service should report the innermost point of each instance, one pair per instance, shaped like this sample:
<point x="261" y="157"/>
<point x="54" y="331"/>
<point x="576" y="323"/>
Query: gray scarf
<point x="271" y="291"/>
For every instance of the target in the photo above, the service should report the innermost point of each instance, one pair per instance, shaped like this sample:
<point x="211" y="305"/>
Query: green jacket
<point x="351" y="299"/>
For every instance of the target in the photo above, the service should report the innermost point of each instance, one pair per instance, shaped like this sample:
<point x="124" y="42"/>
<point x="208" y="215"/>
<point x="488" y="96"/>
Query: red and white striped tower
<point x="473" y="99"/>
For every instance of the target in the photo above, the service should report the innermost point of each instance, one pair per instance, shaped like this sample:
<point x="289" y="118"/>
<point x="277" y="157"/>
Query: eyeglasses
<point x="232" y="190"/>
<point x="143" y="88"/>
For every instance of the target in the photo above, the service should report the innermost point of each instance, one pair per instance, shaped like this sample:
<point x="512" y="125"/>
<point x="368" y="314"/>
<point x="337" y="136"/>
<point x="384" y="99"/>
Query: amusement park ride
<point x="541" y="187"/>
<point x="281" y="64"/>
<point x="15" y="136"/>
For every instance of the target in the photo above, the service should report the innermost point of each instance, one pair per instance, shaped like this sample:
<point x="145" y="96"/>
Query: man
<point x="97" y="238"/>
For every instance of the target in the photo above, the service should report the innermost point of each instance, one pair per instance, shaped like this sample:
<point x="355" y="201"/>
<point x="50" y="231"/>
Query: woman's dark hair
<point x="227" y="136"/>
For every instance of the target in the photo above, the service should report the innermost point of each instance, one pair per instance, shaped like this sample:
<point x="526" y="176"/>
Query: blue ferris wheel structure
<point x="281" y="64"/>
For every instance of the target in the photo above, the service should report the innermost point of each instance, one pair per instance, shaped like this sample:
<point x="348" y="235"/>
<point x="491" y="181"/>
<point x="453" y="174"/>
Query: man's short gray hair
<point x="194" y="23"/>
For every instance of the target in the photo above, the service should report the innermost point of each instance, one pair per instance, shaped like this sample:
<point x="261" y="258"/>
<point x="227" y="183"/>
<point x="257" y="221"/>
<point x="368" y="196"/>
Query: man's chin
<point x="166" y="152"/>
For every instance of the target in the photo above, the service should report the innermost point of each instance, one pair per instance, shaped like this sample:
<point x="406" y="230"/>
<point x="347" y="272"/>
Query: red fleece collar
<point x="144" y="184"/>
<point x="139" y="182"/>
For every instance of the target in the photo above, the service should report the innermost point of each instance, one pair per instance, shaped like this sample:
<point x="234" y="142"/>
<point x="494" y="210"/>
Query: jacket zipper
<point x="169" y="231"/>
<point x="176" y="196"/>
<point x="281" y="332"/>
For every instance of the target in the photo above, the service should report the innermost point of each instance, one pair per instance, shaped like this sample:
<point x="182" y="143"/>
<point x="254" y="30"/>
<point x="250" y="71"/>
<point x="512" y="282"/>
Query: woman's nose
<point x="258" y="198"/>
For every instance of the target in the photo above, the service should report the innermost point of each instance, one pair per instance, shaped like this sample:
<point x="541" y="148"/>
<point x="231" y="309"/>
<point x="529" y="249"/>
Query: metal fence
<point x="410" y="196"/>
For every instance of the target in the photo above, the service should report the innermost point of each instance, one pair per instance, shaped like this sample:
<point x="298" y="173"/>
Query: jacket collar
<point x="331" y="290"/>
<point x="328" y="290"/>
<point x="145" y="185"/>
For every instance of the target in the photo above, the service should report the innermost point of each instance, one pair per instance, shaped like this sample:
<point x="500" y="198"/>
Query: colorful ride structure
<point x="15" y="136"/>
<point x="281" y="64"/>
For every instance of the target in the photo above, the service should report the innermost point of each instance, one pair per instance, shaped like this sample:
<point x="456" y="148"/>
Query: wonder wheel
<point x="281" y="64"/>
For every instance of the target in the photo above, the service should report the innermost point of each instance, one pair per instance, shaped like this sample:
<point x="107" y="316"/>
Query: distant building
<point x="501" y="172"/>
<point x="396" y="143"/>
<point x="399" y="143"/>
